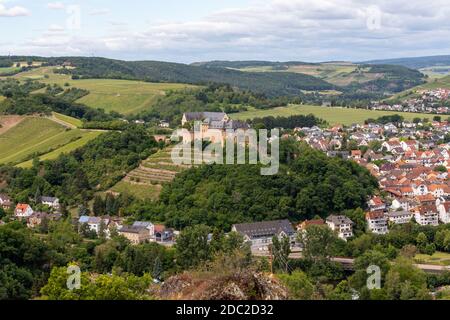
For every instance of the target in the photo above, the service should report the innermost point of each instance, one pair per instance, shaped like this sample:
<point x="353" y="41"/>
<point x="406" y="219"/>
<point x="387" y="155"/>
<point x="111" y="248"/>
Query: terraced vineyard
<point x="147" y="180"/>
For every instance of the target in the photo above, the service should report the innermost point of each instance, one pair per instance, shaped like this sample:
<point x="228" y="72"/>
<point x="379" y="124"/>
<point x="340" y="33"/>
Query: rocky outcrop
<point x="207" y="286"/>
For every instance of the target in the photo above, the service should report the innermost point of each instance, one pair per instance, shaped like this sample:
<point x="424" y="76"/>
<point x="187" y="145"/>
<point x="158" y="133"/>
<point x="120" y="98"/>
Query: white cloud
<point x="311" y="30"/>
<point x="16" y="11"/>
<point x="56" y="5"/>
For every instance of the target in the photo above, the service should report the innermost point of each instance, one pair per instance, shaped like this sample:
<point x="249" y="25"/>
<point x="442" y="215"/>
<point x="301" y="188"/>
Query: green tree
<point x="192" y="246"/>
<point x="298" y="284"/>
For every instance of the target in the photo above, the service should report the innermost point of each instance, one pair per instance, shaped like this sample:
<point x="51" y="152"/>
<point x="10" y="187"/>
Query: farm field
<point x="331" y="115"/>
<point x="140" y="191"/>
<point x="8" y="122"/>
<point x="74" y="122"/>
<point x="34" y="135"/>
<point x="123" y="96"/>
<point x="86" y="136"/>
<point x="338" y="73"/>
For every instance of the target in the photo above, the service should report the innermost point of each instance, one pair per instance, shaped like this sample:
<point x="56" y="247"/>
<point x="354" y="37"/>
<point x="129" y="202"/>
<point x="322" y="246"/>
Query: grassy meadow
<point x="342" y="116"/>
<point x="39" y="135"/>
<point x="123" y="96"/>
<point x="86" y="136"/>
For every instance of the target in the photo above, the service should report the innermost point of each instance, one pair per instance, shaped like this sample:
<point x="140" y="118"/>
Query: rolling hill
<point x="123" y="96"/>
<point x="155" y="71"/>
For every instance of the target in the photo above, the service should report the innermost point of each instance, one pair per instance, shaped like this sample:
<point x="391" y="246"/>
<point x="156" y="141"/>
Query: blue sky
<point x="199" y="30"/>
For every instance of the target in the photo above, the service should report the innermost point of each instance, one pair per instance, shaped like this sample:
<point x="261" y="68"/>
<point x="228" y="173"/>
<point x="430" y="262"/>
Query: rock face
<point x="239" y="286"/>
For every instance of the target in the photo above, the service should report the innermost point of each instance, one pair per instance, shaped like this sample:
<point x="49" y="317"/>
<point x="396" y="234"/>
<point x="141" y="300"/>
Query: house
<point x="377" y="222"/>
<point x="399" y="217"/>
<point x="135" y="234"/>
<point x="426" y="199"/>
<point x="23" y="210"/>
<point x="164" y="124"/>
<point x="260" y="234"/>
<point x="356" y="154"/>
<point x="377" y="204"/>
<point x="444" y="212"/>
<point x="37" y="218"/>
<point x="5" y="201"/>
<point x="305" y="224"/>
<point x="163" y="234"/>
<point x="401" y="203"/>
<point x="94" y="223"/>
<point x="50" y="202"/>
<point x="342" y="225"/>
<point x="147" y="225"/>
<point x="427" y="215"/>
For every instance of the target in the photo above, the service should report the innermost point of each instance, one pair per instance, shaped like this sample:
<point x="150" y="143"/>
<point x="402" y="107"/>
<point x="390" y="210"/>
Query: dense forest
<point x="308" y="184"/>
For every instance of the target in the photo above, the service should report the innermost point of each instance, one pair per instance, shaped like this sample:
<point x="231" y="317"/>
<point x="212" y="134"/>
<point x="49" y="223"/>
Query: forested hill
<point x="417" y="62"/>
<point x="271" y="84"/>
<point x="250" y="64"/>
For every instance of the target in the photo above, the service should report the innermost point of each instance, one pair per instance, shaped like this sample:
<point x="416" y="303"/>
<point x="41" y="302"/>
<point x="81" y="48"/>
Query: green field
<point x="8" y="70"/>
<point x="140" y="191"/>
<point x="69" y="120"/>
<point x="72" y="146"/>
<point x="331" y="115"/>
<point x="35" y="135"/>
<point x="123" y="96"/>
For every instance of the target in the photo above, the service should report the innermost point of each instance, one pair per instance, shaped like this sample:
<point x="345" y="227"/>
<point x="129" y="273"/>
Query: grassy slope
<point x="123" y="96"/>
<point x="137" y="190"/>
<point x="86" y="136"/>
<point x="69" y="120"/>
<point x="341" y="74"/>
<point x="34" y="135"/>
<point x="332" y="115"/>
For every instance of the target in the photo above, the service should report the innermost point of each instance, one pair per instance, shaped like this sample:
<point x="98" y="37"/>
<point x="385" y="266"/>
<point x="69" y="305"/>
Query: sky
<point x="202" y="30"/>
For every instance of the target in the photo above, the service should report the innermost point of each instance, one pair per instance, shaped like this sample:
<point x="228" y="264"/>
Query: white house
<point x="94" y="223"/>
<point x="23" y="210"/>
<point x="342" y="225"/>
<point x="51" y="202"/>
<point x="420" y="190"/>
<point x="427" y="215"/>
<point x="444" y="212"/>
<point x="399" y="217"/>
<point x="147" y="225"/>
<point x="377" y="222"/>
<point x="401" y="203"/>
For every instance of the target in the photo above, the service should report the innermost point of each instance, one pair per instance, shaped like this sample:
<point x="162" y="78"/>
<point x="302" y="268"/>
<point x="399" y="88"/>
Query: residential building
<point x="51" y="202"/>
<point x="342" y="225"/>
<point x="5" y="201"/>
<point x="260" y="234"/>
<point x="377" y="222"/>
<point x="135" y="234"/>
<point x="427" y="215"/>
<point x="399" y="217"/>
<point x="23" y="210"/>
<point x="37" y="218"/>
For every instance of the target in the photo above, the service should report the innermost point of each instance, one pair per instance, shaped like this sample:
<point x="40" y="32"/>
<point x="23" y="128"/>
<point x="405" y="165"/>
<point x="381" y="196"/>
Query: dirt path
<point x="8" y="122"/>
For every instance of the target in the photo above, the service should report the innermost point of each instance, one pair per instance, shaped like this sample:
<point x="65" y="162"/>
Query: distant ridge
<point x="416" y="62"/>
